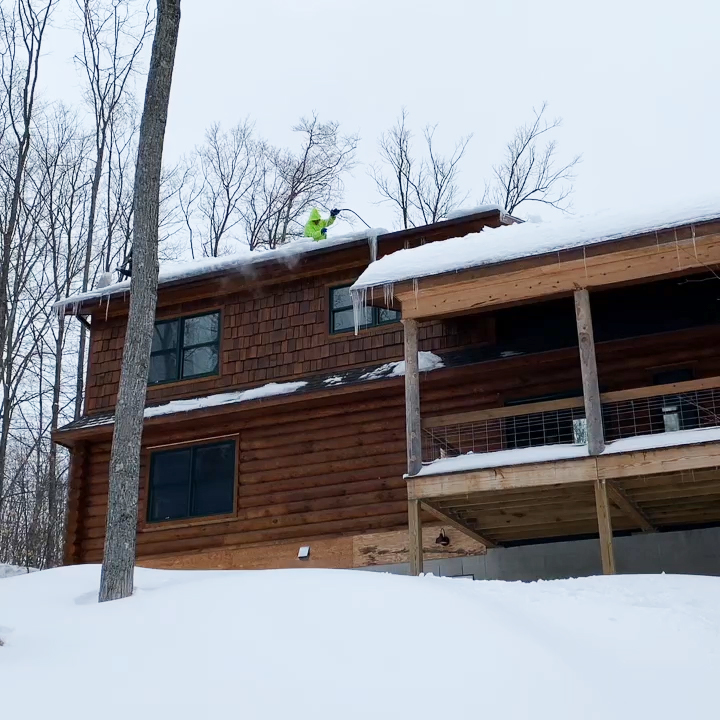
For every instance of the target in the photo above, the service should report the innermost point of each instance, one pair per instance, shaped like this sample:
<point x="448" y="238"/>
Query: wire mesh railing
<point x="563" y="422"/>
<point x="522" y="429"/>
<point x="661" y="413"/>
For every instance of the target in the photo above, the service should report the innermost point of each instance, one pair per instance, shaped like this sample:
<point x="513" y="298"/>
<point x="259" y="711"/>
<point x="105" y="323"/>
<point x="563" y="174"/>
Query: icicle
<point x="416" y="291"/>
<point x="692" y="229"/>
<point x="585" y="262"/>
<point x="359" y="302"/>
<point x="388" y="293"/>
<point x="372" y="243"/>
<point x="677" y="250"/>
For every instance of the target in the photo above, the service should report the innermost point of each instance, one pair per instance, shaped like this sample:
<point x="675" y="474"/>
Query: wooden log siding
<point x="278" y="336"/>
<point x="313" y="469"/>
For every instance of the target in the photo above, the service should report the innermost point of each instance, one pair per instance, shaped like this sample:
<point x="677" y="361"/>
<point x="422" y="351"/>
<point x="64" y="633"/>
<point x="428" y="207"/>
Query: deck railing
<point x="627" y="413"/>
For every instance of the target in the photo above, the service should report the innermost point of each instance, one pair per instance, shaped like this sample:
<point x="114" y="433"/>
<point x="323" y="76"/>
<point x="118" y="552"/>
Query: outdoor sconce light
<point x="442" y="539"/>
<point x="304" y="552"/>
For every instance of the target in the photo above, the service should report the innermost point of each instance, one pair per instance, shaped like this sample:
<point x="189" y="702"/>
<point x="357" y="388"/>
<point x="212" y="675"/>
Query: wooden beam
<point x="412" y="398"/>
<point x="631" y="509"/>
<point x="446" y="517"/>
<point x="533" y="475"/>
<point x="605" y="527"/>
<point x="415" y="537"/>
<point x="588" y="366"/>
<point x="544" y="276"/>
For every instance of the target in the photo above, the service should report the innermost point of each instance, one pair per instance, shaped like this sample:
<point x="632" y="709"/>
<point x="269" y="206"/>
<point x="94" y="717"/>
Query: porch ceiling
<point x="554" y="500"/>
<point x="664" y="501"/>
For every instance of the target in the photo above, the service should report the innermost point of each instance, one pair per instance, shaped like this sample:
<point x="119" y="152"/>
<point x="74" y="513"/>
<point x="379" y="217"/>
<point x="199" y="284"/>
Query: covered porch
<point x="638" y="460"/>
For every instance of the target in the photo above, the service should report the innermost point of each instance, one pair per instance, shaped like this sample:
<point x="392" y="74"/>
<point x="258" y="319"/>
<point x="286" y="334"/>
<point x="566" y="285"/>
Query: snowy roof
<point x="512" y="242"/>
<point x="290" y="254"/>
<point x="427" y="361"/>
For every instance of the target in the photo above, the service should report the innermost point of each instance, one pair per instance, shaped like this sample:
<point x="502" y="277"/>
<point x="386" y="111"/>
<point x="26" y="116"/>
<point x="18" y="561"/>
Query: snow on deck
<point x="553" y="453"/>
<point x="327" y="644"/>
<point x="290" y="253"/>
<point x="512" y="242"/>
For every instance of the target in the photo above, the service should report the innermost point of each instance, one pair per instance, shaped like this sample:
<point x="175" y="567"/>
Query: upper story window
<point x="190" y="482"/>
<point x="341" y="312"/>
<point x="184" y="348"/>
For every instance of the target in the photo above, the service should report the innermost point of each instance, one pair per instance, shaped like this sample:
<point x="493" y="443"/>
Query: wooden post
<point x="412" y="398"/>
<point x="588" y="366"/>
<point x="415" y="537"/>
<point x="605" y="527"/>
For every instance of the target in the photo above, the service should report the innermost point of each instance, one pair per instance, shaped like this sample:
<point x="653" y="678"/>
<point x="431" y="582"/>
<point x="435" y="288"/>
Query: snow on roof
<point x="427" y="361"/>
<point x="551" y="453"/>
<point x="290" y="253"/>
<point x="465" y="212"/>
<point x="300" y="643"/>
<point x="512" y="242"/>
<point x="178" y="406"/>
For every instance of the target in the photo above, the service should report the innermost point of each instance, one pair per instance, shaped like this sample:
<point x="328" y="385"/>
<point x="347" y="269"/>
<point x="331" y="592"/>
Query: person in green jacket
<point x="316" y="227"/>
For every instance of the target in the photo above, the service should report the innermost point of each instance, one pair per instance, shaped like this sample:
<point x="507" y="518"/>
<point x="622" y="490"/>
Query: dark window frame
<point x="192" y="447"/>
<point x="180" y="349"/>
<point x="375" y="322"/>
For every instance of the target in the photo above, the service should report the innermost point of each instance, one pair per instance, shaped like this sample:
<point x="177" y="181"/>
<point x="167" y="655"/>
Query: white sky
<point x="636" y="82"/>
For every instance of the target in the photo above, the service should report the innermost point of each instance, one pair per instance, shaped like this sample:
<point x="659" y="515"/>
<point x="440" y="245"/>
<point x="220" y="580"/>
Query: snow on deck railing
<point x="493" y="246"/>
<point x="290" y="253"/>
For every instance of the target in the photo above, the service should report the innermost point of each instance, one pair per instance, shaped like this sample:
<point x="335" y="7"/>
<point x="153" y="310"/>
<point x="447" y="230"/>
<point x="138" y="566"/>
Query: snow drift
<point x="323" y="645"/>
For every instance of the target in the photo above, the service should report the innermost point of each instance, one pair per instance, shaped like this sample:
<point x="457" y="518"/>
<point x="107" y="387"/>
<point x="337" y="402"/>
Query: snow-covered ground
<point x="7" y="571"/>
<point x="328" y="644"/>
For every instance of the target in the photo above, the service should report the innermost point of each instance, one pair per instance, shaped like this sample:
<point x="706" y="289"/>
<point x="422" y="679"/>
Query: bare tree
<point x="422" y="190"/>
<point x="22" y="29"/>
<point x="288" y="183"/>
<point x="218" y="176"/>
<point x="120" y="539"/>
<point x="531" y="172"/>
<point x="112" y="39"/>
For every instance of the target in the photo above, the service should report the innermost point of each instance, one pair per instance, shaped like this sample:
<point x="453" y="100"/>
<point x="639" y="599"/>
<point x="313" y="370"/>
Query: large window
<point x="190" y="482"/>
<point x="184" y="348"/>
<point x="341" y="312"/>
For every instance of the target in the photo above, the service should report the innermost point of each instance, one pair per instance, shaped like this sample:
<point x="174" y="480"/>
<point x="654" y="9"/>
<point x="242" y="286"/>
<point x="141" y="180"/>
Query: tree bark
<point x="116" y="580"/>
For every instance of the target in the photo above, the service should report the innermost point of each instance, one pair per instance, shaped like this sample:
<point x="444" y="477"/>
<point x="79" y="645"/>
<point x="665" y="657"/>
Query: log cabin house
<point x="485" y="385"/>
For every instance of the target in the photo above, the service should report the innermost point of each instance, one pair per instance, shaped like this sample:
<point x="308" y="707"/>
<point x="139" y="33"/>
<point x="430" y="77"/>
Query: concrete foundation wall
<point x="692" y="552"/>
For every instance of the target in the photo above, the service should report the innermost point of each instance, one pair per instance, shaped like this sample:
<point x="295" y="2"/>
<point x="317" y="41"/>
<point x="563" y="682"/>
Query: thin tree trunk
<point x="116" y="580"/>
<point x="94" y="192"/>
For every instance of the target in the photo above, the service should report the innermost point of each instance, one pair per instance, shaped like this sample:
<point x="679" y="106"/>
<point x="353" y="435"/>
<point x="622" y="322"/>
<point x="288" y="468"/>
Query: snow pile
<point x="290" y="254"/>
<point x="328" y="644"/>
<point x="551" y="453"/>
<point x="7" y="571"/>
<point x="511" y="242"/>
<point x="427" y="361"/>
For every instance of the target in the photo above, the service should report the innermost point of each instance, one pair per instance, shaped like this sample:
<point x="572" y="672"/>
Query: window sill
<point x="146" y="526"/>
<point x="184" y="381"/>
<point x="373" y="330"/>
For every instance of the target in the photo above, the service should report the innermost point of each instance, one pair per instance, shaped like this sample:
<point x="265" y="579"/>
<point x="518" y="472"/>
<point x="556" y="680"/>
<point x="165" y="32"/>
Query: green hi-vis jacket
<point x="314" y="226"/>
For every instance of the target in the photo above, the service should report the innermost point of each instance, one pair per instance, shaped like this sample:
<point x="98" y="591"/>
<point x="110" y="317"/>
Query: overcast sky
<point x="635" y="81"/>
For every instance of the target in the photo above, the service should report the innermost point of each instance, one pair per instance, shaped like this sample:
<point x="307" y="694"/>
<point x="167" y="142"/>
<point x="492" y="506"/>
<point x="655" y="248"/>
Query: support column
<point x="412" y="398"/>
<point x="415" y="537"/>
<point x="605" y="527"/>
<point x="588" y="366"/>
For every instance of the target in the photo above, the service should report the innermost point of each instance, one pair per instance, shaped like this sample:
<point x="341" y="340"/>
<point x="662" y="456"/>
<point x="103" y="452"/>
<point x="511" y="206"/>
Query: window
<point x="341" y="312"/>
<point x="185" y="348"/>
<point x="190" y="482"/>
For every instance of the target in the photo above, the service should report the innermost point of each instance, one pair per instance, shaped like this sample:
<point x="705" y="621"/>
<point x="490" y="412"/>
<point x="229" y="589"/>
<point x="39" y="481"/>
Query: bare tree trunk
<point x="118" y="567"/>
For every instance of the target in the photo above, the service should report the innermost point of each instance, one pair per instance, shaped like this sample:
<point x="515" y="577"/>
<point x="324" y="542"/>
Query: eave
<point x="676" y="251"/>
<point x="321" y="260"/>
